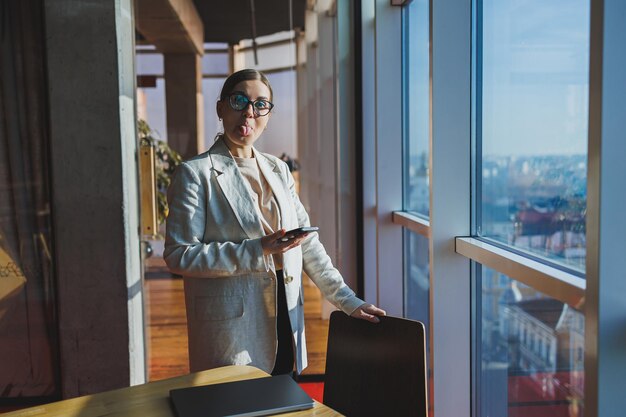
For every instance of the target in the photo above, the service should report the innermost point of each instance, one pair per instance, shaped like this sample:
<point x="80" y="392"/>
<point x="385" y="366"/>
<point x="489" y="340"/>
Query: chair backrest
<point x="376" y="369"/>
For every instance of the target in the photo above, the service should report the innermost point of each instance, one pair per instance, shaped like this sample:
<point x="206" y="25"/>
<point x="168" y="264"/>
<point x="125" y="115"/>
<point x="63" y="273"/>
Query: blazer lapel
<point x="273" y="176"/>
<point x="235" y="190"/>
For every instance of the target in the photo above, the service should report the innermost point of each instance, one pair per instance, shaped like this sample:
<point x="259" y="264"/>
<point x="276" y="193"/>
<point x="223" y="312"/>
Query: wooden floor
<point x="166" y="330"/>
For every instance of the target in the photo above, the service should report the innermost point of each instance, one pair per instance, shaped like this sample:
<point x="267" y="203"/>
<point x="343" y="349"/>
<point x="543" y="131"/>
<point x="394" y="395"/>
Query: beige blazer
<point x="213" y="240"/>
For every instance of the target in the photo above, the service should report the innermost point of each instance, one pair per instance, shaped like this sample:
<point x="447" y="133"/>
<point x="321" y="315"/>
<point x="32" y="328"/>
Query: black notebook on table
<point x="250" y="397"/>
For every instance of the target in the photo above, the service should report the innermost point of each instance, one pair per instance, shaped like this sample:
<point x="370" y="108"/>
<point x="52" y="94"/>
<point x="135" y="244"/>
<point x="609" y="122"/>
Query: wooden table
<point x="152" y="399"/>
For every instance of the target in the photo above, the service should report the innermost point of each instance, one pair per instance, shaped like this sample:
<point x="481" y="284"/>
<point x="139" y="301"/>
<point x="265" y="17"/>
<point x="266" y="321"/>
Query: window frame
<point x="605" y="311"/>
<point x="381" y="36"/>
<point x="550" y="278"/>
<point x="411" y="221"/>
<point x="553" y="282"/>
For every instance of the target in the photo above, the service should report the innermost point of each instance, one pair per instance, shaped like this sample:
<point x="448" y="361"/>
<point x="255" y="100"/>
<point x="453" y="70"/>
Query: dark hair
<point x="244" y="75"/>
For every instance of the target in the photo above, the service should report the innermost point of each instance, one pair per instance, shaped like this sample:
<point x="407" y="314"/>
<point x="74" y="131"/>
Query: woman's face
<point x="242" y="127"/>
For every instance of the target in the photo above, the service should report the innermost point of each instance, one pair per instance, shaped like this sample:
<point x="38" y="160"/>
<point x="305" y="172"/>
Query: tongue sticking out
<point x="244" y="130"/>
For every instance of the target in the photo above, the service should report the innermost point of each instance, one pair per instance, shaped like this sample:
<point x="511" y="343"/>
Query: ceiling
<point x="230" y="20"/>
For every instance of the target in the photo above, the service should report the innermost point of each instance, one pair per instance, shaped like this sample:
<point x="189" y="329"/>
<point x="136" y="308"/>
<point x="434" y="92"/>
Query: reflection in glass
<point x="531" y="352"/>
<point x="416" y="67"/>
<point x="534" y="92"/>
<point x="28" y="327"/>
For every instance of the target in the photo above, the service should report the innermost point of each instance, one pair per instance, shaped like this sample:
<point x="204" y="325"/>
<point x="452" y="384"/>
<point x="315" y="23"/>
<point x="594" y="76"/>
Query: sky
<point x="535" y="77"/>
<point x="534" y="91"/>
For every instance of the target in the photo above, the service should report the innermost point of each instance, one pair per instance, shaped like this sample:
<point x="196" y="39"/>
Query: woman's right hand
<point x="272" y="244"/>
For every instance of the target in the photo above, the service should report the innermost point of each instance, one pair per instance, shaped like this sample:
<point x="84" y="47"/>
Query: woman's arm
<point x="186" y="253"/>
<point x="318" y="265"/>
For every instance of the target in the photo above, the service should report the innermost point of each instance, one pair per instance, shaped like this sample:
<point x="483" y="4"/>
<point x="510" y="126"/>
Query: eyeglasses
<point x="239" y="102"/>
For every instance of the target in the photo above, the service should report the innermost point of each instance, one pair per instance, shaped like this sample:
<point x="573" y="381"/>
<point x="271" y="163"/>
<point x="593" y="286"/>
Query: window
<point x="416" y="90"/>
<point x="151" y="89"/>
<point x="29" y="354"/>
<point x="531" y="112"/>
<point x="215" y="62"/>
<point x="533" y="99"/>
<point x="416" y="43"/>
<point x="514" y="378"/>
<point x="211" y="88"/>
<point x="415" y="169"/>
<point x="277" y="51"/>
<point x="417" y="277"/>
<point x="215" y="69"/>
<point x="282" y="133"/>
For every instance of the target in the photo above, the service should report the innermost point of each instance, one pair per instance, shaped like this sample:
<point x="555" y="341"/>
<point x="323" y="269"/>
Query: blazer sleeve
<point x="185" y="252"/>
<point x="318" y="265"/>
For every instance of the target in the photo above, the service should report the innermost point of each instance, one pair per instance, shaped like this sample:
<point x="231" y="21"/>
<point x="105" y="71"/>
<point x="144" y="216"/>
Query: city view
<point x="537" y="204"/>
<point x="532" y="346"/>
<point x="534" y="203"/>
<point x="532" y="351"/>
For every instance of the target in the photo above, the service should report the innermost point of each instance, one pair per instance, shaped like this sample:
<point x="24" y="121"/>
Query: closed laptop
<point x="251" y="397"/>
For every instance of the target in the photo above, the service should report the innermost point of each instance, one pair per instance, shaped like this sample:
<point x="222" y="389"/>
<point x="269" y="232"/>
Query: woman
<point x="230" y="208"/>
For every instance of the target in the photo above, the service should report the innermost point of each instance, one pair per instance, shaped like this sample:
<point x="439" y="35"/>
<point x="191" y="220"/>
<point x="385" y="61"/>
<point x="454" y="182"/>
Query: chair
<point x="376" y="369"/>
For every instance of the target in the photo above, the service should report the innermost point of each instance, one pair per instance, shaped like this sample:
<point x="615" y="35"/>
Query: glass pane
<point x="270" y="58"/>
<point x="282" y="133"/>
<point x="151" y="95"/>
<point x="151" y="107"/>
<point x="215" y="45"/>
<point x="28" y="328"/>
<point x="275" y="37"/>
<point x="149" y="64"/>
<point x="417" y="287"/>
<point x="211" y="89"/>
<point x="416" y="277"/>
<point x="531" y="352"/>
<point x="215" y="63"/>
<point x="416" y="109"/>
<point x="534" y="126"/>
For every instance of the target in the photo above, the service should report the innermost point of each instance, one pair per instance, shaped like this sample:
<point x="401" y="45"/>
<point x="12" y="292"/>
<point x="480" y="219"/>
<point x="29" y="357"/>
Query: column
<point x="91" y="80"/>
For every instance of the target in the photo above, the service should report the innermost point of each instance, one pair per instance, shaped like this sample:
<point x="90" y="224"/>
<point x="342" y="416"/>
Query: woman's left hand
<point x="273" y="243"/>
<point x="368" y="312"/>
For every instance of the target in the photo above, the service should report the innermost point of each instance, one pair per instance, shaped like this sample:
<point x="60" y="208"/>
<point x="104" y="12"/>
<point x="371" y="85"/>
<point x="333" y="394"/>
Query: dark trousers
<point x="284" y="355"/>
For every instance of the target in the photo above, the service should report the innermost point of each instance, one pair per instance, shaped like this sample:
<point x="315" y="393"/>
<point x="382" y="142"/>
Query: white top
<point x="261" y="192"/>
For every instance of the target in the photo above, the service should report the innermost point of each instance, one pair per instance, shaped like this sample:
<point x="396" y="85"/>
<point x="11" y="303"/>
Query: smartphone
<point x="294" y="233"/>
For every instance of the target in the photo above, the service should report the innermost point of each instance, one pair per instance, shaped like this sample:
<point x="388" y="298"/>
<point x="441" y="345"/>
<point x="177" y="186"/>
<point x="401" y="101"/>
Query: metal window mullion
<point x="476" y="207"/>
<point x="369" y="162"/>
<point x="450" y="204"/>
<point x="388" y="59"/>
<point x="605" y="310"/>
